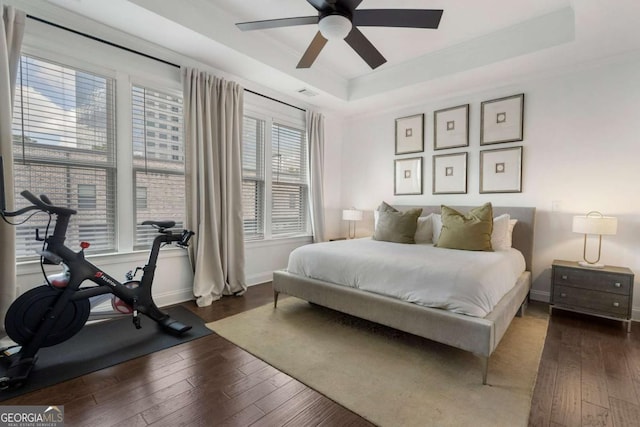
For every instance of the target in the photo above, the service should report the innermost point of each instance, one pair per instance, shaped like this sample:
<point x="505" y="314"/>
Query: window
<point x="275" y="188"/>
<point x="288" y="181"/>
<point x="158" y="168"/>
<point x="64" y="146"/>
<point x="253" y="178"/>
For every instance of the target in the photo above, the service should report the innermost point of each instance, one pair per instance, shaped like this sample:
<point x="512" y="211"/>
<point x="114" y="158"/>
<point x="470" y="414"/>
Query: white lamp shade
<point x="351" y="215"/>
<point x="335" y="27"/>
<point x="586" y="224"/>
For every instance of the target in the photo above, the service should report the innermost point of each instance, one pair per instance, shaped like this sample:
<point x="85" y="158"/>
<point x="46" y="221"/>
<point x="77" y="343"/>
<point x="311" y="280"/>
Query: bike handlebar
<point x="44" y="204"/>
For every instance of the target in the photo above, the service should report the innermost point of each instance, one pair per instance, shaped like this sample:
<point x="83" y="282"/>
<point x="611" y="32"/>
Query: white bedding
<point x="465" y="282"/>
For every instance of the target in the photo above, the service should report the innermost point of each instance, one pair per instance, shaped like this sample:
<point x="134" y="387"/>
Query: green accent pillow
<point x="470" y="232"/>
<point x="397" y="227"/>
<point x="386" y="207"/>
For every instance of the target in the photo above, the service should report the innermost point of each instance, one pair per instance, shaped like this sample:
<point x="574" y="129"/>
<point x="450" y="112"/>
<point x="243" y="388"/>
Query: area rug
<point x="100" y="345"/>
<point x="389" y="377"/>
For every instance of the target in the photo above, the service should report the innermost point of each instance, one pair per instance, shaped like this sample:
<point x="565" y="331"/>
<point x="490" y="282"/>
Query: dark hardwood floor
<point x="589" y="373"/>
<point x="589" y="376"/>
<point x="208" y="382"/>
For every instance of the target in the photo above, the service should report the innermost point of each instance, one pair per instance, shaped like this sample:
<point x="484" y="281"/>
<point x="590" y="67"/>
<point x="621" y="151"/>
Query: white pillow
<point x="500" y="235"/>
<point x="424" y="231"/>
<point x="436" y="219"/>
<point x="512" y="223"/>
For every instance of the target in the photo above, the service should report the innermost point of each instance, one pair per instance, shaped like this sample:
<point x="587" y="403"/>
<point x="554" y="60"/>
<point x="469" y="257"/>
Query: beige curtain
<point x="315" y="138"/>
<point x="11" y="33"/>
<point x="213" y="121"/>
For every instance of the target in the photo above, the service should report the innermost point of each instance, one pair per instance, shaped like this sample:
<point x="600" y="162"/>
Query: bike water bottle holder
<point x="131" y="274"/>
<point x="184" y="238"/>
<point x="50" y="258"/>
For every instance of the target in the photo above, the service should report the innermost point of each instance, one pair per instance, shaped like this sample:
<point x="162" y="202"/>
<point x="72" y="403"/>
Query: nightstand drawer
<point x="587" y="300"/>
<point x="601" y="281"/>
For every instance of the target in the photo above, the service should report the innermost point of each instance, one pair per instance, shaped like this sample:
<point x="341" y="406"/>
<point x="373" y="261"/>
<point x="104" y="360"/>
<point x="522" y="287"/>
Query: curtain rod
<point x="107" y="42"/>
<point x="276" y="100"/>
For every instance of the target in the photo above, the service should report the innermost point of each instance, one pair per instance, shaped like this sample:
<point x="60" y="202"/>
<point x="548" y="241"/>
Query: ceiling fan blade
<point x="312" y="51"/>
<point x="277" y="23"/>
<point x="364" y="48"/>
<point x="408" y="18"/>
<point x="349" y="4"/>
<point x="321" y="5"/>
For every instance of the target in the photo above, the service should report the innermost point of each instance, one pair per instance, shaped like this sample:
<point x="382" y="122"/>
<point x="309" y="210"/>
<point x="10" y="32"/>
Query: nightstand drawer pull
<point x="617" y="284"/>
<point x="565" y="277"/>
<point x="616" y="304"/>
<point x="563" y="295"/>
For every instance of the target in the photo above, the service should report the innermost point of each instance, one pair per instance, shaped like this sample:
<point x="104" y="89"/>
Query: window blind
<point x="253" y="177"/>
<point x="63" y="134"/>
<point x="289" y="181"/>
<point x="158" y="160"/>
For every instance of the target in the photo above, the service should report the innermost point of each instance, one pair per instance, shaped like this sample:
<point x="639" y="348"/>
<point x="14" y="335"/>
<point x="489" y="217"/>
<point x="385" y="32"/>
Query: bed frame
<point x="479" y="335"/>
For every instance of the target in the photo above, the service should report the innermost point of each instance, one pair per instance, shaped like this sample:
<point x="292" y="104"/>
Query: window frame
<point x="127" y="69"/>
<point x="108" y="168"/>
<point x="288" y="184"/>
<point x="274" y="112"/>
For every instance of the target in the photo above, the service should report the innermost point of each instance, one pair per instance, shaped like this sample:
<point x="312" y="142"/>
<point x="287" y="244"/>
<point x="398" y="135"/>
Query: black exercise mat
<point x="100" y="345"/>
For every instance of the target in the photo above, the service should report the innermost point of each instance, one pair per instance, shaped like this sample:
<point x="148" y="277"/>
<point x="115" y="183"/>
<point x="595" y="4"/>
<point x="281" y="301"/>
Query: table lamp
<point x="597" y="224"/>
<point x="352" y="215"/>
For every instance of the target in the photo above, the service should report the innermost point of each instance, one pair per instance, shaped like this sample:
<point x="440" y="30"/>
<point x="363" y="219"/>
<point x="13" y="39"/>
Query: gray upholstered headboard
<point x="522" y="233"/>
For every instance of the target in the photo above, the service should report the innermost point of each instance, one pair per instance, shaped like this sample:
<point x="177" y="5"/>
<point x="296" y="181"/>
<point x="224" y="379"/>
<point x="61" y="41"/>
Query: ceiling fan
<point x="339" y="19"/>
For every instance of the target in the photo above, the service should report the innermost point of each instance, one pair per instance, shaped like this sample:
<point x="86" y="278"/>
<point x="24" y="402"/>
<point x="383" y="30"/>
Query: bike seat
<point x="160" y="224"/>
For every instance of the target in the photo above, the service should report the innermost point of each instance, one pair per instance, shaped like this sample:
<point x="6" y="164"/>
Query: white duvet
<point x="465" y="282"/>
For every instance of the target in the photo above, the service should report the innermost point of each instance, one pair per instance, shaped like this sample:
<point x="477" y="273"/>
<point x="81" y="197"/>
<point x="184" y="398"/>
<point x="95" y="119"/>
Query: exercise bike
<point x="52" y="313"/>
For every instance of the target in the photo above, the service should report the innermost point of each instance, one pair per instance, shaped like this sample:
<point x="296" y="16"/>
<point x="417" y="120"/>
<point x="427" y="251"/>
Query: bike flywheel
<point x="26" y="314"/>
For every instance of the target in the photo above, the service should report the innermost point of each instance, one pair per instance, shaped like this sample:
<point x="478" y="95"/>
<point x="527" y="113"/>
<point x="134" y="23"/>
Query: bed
<point x="477" y="334"/>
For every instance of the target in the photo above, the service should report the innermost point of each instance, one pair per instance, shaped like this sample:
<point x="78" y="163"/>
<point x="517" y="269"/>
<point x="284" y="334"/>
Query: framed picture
<point x="450" y="173"/>
<point x="501" y="170"/>
<point x="410" y="134"/>
<point x="408" y="176"/>
<point x="451" y="127"/>
<point x="502" y="120"/>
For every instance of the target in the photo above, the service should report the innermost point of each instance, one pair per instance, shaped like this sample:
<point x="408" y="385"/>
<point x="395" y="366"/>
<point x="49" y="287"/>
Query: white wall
<point x="581" y="147"/>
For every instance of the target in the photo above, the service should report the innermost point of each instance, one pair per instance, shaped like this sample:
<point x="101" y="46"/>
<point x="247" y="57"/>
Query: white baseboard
<point x="181" y="295"/>
<point x="256" y="279"/>
<point x="174" y="297"/>
<point x="543" y="296"/>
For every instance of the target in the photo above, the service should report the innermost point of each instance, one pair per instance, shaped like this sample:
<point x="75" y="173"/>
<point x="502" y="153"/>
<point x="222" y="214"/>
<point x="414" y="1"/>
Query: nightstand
<point x="605" y="292"/>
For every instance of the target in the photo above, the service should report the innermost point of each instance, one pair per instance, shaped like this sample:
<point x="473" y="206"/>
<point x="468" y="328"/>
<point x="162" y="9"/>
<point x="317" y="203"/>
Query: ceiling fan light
<point x="335" y="27"/>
